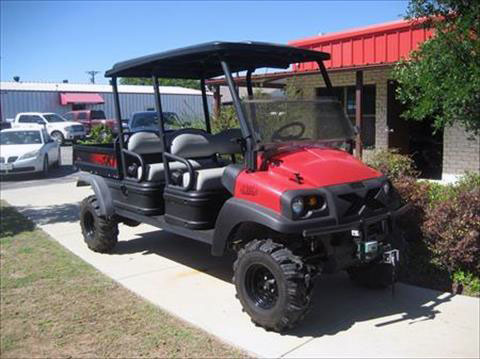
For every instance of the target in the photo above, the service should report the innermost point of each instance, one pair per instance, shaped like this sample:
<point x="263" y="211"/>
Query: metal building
<point x="18" y="97"/>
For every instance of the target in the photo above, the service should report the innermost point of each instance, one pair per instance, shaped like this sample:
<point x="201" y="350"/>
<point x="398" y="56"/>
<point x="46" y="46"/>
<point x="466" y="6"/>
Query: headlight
<point x="386" y="187"/>
<point x="69" y="128"/>
<point x="30" y="154"/>
<point x="298" y="206"/>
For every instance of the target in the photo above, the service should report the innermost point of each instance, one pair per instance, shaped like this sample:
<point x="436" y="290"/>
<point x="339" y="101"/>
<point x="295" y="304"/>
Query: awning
<point x="76" y="98"/>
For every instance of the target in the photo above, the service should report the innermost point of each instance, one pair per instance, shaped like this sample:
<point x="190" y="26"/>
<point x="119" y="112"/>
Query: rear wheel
<point x="58" y="137"/>
<point x="99" y="233"/>
<point x="273" y="285"/>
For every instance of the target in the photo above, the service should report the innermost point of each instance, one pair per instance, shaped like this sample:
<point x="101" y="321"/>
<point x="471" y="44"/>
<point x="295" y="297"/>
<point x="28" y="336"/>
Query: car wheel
<point x="45" y="167"/>
<point x="273" y="285"/>
<point x="99" y="233"/>
<point x="58" y="137"/>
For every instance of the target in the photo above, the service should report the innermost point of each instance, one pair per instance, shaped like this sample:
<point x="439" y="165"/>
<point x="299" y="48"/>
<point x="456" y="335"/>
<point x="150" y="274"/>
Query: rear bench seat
<point x="196" y="146"/>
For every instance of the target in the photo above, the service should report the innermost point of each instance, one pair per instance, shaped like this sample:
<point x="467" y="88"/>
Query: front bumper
<point x="30" y="165"/>
<point x="75" y="136"/>
<point x="360" y="225"/>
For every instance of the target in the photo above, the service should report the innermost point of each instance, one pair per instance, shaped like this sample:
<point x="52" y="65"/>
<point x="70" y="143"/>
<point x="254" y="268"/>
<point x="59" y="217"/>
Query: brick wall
<point x="377" y="77"/>
<point x="461" y="153"/>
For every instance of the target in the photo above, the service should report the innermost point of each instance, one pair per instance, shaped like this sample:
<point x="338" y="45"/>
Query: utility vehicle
<point x="298" y="205"/>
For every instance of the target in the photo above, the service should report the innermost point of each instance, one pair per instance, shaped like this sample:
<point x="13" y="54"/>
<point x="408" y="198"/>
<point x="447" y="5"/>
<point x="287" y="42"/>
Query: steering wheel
<point x="277" y="135"/>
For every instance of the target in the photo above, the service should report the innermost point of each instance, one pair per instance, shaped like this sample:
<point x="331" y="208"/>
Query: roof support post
<point x="158" y="107"/>
<point x="325" y="76"/>
<point x="249" y="84"/>
<point x="358" y="112"/>
<point x="251" y="156"/>
<point x="118" y="115"/>
<point x="217" y="98"/>
<point x="206" y="112"/>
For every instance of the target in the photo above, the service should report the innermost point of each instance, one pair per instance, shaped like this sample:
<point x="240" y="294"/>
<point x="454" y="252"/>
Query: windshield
<point x="20" y="138"/>
<point x="97" y="115"/>
<point x="149" y="119"/>
<point x="280" y="121"/>
<point x="54" y="118"/>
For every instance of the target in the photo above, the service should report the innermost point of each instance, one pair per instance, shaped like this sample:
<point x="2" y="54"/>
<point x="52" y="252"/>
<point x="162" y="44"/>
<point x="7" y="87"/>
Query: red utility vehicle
<point x="91" y="118"/>
<point x="298" y="205"/>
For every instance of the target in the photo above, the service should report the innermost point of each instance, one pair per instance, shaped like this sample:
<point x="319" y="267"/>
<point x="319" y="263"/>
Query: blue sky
<point x="52" y="41"/>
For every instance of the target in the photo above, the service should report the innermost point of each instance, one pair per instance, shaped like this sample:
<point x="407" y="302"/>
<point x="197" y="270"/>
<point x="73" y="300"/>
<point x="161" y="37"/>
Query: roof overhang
<point x="203" y="61"/>
<point x="74" y="98"/>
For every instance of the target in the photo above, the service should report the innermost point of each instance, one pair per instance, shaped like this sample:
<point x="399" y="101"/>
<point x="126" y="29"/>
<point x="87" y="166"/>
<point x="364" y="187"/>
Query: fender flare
<point x="235" y="212"/>
<point x="101" y="190"/>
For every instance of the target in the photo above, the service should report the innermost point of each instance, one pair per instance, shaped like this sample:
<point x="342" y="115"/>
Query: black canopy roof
<point x="202" y="60"/>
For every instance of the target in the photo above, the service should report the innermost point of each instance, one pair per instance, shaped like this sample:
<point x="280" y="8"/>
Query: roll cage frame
<point x="203" y="62"/>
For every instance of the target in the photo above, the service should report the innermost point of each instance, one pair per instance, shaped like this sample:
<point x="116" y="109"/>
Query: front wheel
<point x="58" y="137"/>
<point x="99" y="233"/>
<point x="273" y="285"/>
<point x="374" y="276"/>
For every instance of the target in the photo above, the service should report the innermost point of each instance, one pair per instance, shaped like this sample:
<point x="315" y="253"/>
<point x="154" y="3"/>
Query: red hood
<point x="319" y="167"/>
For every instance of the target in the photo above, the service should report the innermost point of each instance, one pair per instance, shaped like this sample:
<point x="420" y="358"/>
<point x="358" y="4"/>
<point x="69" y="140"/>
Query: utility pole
<point x="92" y="75"/>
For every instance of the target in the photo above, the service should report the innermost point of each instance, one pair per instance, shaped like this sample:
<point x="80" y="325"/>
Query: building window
<point x="78" y="107"/>
<point x="346" y="96"/>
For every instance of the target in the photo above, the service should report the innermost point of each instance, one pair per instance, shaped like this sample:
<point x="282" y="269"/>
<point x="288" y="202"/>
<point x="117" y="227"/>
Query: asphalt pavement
<point x="64" y="174"/>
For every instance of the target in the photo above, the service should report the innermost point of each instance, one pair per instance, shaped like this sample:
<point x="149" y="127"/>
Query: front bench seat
<point x="193" y="146"/>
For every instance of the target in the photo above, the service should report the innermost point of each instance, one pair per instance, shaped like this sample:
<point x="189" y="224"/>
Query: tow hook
<point x="392" y="257"/>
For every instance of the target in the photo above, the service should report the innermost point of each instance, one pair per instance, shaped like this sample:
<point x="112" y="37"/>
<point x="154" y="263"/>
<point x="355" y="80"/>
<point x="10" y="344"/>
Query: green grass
<point x="55" y="305"/>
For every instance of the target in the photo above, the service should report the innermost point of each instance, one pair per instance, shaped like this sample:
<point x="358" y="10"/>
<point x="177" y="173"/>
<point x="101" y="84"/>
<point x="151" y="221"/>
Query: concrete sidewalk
<point x="180" y="276"/>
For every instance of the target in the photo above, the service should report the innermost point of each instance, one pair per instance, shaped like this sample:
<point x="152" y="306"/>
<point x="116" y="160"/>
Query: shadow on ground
<point x="337" y="303"/>
<point x="58" y="213"/>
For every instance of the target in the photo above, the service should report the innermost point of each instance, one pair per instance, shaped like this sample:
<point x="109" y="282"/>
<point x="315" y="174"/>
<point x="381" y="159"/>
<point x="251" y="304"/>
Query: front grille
<point x="360" y="203"/>
<point x="12" y="159"/>
<point x="19" y="169"/>
<point x="77" y="128"/>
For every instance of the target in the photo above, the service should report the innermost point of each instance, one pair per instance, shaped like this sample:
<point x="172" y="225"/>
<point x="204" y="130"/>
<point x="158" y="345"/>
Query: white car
<point x="58" y="127"/>
<point x="27" y="150"/>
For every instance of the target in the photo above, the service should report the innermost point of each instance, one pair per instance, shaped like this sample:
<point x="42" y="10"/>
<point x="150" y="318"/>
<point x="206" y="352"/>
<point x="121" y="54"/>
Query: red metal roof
<point x="74" y="98"/>
<point x="384" y="43"/>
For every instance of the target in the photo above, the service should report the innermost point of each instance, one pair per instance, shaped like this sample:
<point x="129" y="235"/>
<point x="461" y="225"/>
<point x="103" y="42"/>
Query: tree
<point x="194" y="84"/>
<point x="442" y="78"/>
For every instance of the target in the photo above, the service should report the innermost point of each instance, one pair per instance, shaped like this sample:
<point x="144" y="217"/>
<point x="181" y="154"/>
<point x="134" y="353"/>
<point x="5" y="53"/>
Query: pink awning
<point x="75" y="98"/>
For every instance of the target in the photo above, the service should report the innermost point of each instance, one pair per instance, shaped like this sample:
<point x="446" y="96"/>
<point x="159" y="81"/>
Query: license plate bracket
<point x="6" y="166"/>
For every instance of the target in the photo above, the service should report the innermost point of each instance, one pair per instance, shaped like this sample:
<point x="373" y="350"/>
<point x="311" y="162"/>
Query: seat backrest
<point x="197" y="145"/>
<point x="144" y="143"/>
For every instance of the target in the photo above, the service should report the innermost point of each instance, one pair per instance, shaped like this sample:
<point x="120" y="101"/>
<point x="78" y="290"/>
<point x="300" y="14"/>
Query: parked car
<point x="299" y="205"/>
<point x="57" y="127"/>
<point x="91" y="118"/>
<point x="147" y="121"/>
<point x="27" y="150"/>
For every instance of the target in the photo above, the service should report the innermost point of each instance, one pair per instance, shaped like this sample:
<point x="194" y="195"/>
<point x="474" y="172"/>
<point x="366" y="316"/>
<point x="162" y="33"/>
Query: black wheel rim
<point x="261" y="286"/>
<point x="89" y="224"/>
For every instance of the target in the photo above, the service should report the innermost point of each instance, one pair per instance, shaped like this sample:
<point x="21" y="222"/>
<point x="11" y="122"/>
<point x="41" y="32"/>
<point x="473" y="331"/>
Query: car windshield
<point x="54" y="118"/>
<point x="149" y="119"/>
<point x="20" y="138"/>
<point x="97" y="115"/>
<point x="298" y="121"/>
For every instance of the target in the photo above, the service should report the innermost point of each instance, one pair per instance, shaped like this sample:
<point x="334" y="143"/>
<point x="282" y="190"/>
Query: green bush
<point x="100" y="134"/>
<point x="467" y="283"/>
<point x="392" y="164"/>
<point x="227" y="119"/>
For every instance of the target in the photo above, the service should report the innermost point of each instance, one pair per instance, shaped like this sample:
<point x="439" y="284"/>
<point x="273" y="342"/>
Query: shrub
<point x="466" y="282"/>
<point x="100" y="134"/>
<point x="227" y="119"/>
<point x="452" y="230"/>
<point x="392" y="164"/>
